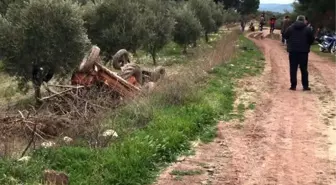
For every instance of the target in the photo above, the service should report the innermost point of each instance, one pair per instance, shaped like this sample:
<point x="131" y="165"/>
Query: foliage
<point x="187" y="27"/>
<point x="230" y="16"/>
<point x="46" y="33"/>
<point x="217" y="14"/>
<point x="320" y="13"/>
<point x="159" y="26"/>
<point x="114" y="25"/>
<point x="203" y="12"/>
<point x="4" y="4"/>
<point x="248" y="6"/>
<point x="244" y="7"/>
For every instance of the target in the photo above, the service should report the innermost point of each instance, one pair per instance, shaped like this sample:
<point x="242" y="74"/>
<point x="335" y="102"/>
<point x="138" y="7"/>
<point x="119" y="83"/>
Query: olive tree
<point x="159" y="26"/>
<point x="203" y="12"/>
<point x="42" y="34"/>
<point x="217" y="14"/>
<point x="114" y="25"/>
<point x="230" y="16"/>
<point x="187" y="28"/>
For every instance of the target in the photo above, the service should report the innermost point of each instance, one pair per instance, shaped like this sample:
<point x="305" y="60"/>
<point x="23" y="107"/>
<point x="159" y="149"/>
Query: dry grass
<point x="76" y="116"/>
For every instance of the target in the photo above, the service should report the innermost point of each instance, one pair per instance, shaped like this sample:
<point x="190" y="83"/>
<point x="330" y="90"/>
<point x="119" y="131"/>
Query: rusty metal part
<point x="132" y="70"/>
<point x="92" y="71"/>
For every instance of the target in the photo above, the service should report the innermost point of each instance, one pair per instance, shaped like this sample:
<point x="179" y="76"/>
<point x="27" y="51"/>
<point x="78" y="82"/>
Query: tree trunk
<point x="194" y="45"/>
<point x="206" y="37"/>
<point x="37" y="89"/>
<point x="154" y="57"/>
<point x="184" y="49"/>
<point x="153" y="53"/>
<point x="133" y="50"/>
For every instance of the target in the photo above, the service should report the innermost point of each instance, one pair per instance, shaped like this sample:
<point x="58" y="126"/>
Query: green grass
<point x="149" y="137"/>
<point x="315" y="49"/>
<point x="172" y="54"/>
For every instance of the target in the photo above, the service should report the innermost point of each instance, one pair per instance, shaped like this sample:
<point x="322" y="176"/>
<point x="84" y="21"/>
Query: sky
<point x="277" y="1"/>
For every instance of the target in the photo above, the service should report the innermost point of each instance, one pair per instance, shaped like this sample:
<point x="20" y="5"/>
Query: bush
<point x="203" y="12"/>
<point x="187" y="27"/>
<point x="114" y="25"/>
<point x="159" y="26"/>
<point x="43" y="33"/>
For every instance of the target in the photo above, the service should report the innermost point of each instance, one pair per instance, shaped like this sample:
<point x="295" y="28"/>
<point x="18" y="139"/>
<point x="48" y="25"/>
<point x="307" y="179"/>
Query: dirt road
<point x="290" y="139"/>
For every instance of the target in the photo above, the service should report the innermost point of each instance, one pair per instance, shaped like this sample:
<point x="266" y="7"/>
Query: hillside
<point x="276" y="7"/>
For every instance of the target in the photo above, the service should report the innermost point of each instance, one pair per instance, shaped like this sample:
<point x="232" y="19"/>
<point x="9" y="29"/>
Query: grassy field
<point x="315" y="49"/>
<point x="152" y="131"/>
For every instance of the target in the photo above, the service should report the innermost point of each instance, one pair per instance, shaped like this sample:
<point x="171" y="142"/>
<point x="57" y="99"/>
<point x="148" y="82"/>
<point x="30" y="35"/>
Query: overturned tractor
<point x="127" y="83"/>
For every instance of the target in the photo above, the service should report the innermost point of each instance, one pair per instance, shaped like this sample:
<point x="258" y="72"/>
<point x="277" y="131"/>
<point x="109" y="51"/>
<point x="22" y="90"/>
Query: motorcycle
<point x="328" y="43"/>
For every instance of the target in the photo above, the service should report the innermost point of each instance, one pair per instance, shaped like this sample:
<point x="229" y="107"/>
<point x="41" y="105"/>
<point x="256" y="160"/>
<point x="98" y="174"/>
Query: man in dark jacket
<point x="284" y="25"/>
<point x="299" y="39"/>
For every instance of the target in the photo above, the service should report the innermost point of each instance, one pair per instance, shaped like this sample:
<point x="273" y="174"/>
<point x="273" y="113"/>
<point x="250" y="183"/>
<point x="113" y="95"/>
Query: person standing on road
<point x="242" y="24"/>
<point x="272" y="24"/>
<point x="284" y="25"/>
<point x="262" y="22"/>
<point x="299" y="38"/>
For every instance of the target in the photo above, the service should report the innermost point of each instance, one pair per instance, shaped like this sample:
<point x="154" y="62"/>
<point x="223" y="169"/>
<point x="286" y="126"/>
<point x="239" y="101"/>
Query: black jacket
<point x="299" y="37"/>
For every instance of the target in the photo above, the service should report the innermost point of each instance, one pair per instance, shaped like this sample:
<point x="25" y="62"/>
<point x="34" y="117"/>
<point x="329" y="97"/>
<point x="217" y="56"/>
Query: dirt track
<point x="290" y="139"/>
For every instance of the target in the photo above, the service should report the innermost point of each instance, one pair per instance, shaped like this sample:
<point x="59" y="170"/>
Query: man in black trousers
<point x="299" y="39"/>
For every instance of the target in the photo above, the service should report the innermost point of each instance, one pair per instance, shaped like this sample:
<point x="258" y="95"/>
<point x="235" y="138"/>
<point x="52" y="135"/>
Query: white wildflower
<point x="67" y="139"/>
<point x="48" y="144"/>
<point x="110" y="132"/>
<point x="25" y="158"/>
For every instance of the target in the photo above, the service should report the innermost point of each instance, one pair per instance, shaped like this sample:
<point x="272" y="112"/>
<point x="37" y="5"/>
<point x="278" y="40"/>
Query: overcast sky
<point x="277" y="1"/>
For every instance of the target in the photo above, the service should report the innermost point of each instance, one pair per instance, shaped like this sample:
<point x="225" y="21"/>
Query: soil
<point x="289" y="139"/>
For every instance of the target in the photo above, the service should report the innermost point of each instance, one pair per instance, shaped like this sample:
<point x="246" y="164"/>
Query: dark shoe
<point x="292" y="88"/>
<point x="306" y="89"/>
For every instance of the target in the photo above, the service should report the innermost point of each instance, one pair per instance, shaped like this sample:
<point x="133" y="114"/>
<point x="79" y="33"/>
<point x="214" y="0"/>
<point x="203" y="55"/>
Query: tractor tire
<point x="89" y="60"/>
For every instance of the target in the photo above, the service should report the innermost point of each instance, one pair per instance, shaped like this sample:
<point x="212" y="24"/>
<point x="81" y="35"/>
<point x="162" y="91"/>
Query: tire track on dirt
<point x="285" y="141"/>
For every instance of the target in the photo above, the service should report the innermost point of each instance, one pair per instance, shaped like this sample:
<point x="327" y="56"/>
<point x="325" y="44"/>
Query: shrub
<point x="43" y="33"/>
<point x="187" y="27"/>
<point x="203" y="12"/>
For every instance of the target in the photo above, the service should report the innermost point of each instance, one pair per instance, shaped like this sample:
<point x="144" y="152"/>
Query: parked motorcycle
<point x="328" y="43"/>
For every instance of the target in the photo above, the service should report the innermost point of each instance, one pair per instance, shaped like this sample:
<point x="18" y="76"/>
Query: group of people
<point x="298" y="37"/>
<point x="262" y="22"/>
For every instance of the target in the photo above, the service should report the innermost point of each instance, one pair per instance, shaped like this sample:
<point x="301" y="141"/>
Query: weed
<point x="186" y="172"/>
<point x="238" y="126"/>
<point x="252" y="106"/>
<point x="208" y="134"/>
<point x="188" y="152"/>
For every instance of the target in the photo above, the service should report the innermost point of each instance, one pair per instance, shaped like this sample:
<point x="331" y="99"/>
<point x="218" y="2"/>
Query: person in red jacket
<point x="272" y="23"/>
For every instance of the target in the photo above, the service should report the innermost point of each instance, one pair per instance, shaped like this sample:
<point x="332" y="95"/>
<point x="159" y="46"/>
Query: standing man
<point x="284" y="26"/>
<point x="242" y="24"/>
<point x="262" y="22"/>
<point x="272" y="24"/>
<point x="299" y="38"/>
